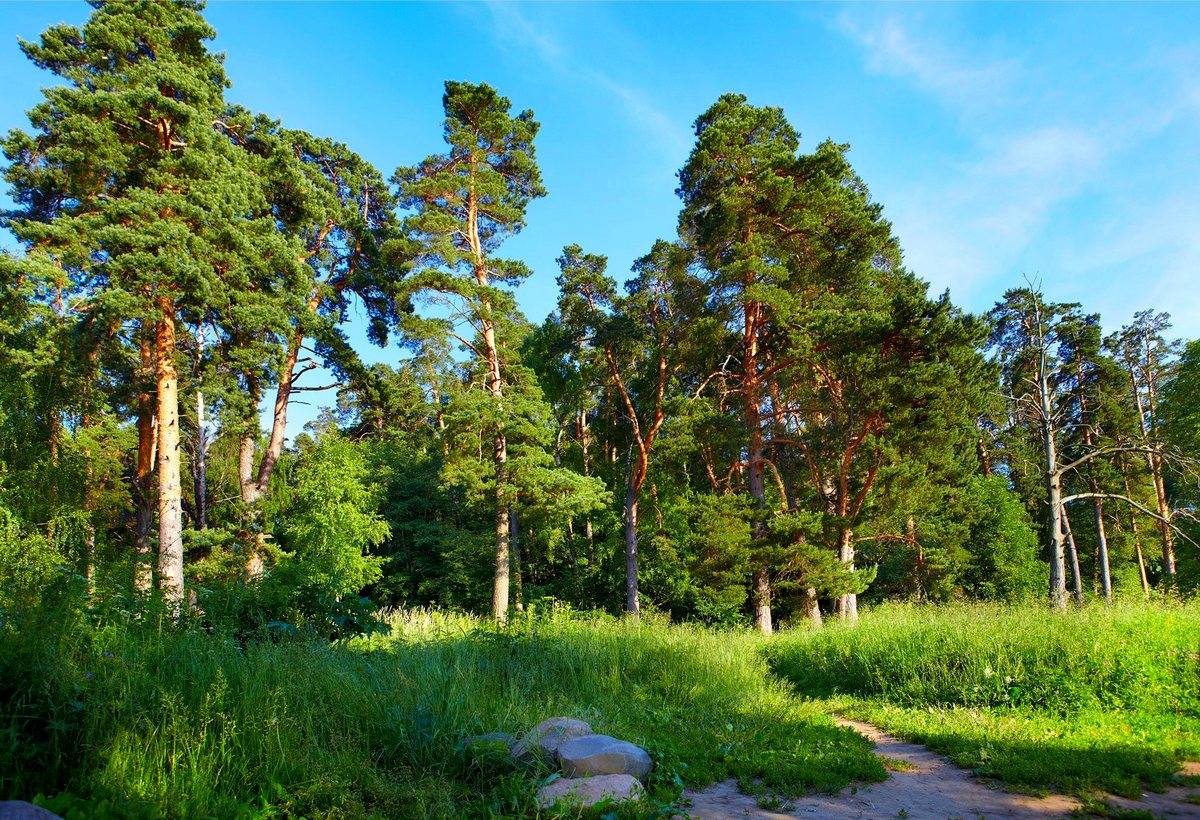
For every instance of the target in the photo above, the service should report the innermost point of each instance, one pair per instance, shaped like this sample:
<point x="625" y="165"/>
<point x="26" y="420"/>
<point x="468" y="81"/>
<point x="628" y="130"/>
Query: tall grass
<point x="1100" y="698"/>
<point x="1124" y="657"/>
<point x="148" y="720"/>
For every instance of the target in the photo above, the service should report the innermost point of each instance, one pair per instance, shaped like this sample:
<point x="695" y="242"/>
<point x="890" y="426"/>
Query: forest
<point x="768" y="424"/>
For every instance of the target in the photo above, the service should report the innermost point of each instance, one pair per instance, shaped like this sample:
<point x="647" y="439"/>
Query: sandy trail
<point x="934" y="789"/>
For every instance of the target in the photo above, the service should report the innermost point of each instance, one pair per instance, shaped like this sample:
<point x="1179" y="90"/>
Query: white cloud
<point x="514" y="27"/>
<point x="892" y="48"/>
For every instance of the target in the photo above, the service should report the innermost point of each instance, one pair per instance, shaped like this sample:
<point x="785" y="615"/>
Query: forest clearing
<point x="302" y="515"/>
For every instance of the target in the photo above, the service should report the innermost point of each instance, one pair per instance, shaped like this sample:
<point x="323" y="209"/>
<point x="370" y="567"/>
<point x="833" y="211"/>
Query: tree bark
<point x="847" y="604"/>
<point x="1058" y="581"/>
<point x="814" y="607"/>
<point x="170" y="496"/>
<point x="1164" y="512"/>
<point x="1076" y="579"/>
<point x="1102" y="550"/>
<point x="762" y="600"/>
<point x="632" y="605"/>
<point x="500" y="579"/>
<point x="518" y="578"/>
<point x="752" y="398"/>
<point x="200" y="473"/>
<point x="143" y="567"/>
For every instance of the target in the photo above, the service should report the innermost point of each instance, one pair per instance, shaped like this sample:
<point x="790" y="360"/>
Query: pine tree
<point x="463" y="205"/>
<point x="640" y="338"/>
<point x="130" y="185"/>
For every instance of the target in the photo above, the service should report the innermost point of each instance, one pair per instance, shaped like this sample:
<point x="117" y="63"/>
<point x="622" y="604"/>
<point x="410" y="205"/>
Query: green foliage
<point x="1180" y="408"/>
<point x="332" y="521"/>
<point x="29" y="563"/>
<point x="1003" y="548"/>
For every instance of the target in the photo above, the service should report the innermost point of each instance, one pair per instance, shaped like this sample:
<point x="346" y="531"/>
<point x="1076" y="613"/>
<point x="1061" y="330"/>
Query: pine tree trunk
<point x="1164" y="513"/>
<point x="632" y="605"/>
<point x="814" y="607"/>
<point x="170" y="495"/>
<point x="1058" y="581"/>
<point x="200" y="474"/>
<point x="762" y="601"/>
<point x="500" y="460"/>
<point x="1076" y="579"/>
<point x="585" y="443"/>
<point x="752" y="397"/>
<point x="143" y="567"/>
<point x="1137" y="537"/>
<point x="518" y="578"/>
<point x="283" y="395"/>
<point x="500" y="580"/>
<point x="847" y="604"/>
<point x="1102" y="549"/>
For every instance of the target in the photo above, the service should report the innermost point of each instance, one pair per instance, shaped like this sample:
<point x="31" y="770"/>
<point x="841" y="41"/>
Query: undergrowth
<point x="146" y="719"/>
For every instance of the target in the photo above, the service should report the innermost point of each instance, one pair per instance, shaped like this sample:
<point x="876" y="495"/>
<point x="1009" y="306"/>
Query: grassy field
<point x="138" y="722"/>
<point x="143" y="720"/>
<point x="1098" y="699"/>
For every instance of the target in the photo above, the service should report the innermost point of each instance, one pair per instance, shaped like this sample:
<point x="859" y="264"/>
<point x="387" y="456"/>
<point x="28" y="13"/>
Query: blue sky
<point x="1055" y="141"/>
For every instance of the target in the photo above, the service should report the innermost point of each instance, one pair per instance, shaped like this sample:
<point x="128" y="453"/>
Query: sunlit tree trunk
<point x="170" y="496"/>
<point x="200" y="477"/>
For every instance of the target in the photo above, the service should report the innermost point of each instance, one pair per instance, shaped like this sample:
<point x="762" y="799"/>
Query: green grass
<point x="137" y="721"/>
<point x="1098" y="699"/>
<point x="142" y="719"/>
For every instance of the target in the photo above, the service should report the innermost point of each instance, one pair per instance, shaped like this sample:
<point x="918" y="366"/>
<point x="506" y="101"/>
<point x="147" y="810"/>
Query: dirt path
<point x="933" y="789"/>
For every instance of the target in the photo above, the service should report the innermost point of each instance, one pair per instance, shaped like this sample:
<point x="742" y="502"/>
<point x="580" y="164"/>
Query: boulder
<point x="545" y="738"/>
<point x="20" y="810"/>
<point x="583" y="793"/>
<point x="601" y="754"/>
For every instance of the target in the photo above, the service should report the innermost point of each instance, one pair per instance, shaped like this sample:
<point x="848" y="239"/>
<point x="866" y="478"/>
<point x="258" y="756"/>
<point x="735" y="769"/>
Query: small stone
<point x="586" y="792"/>
<point x="547" y="736"/>
<point x="20" y="810"/>
<point x="601" y="754"/>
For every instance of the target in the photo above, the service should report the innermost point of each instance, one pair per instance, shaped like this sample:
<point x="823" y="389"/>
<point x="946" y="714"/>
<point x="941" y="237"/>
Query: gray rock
<point x="20" y="810"/>
<point x="601" y="754"/>
<point x="545" y="738"/>
<point x="586" y="792"/>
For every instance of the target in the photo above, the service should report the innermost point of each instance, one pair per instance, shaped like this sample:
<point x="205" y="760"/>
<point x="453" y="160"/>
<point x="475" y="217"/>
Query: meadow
<point x="106" y="716"/>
